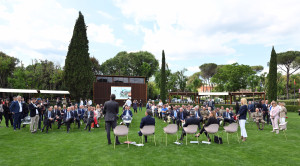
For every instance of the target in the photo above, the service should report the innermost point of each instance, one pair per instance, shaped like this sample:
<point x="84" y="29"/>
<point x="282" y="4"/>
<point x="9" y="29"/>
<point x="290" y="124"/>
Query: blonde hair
<point x="243" y="101"/>
<point x="97" y="106"/>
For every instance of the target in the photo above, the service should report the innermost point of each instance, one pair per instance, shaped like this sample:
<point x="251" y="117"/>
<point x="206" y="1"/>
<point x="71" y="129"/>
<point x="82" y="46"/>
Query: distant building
<point x="205" y="88"/>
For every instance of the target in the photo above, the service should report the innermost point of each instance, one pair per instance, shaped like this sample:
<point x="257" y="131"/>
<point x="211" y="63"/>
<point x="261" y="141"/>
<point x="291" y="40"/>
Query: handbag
<point x="218" y="140"/>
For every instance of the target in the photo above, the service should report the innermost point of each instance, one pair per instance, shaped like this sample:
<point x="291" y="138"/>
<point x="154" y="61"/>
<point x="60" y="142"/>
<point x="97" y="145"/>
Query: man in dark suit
<point x="146" y="121"/>
<point x="111" y="111"/>
<point x="174" y="113"/>
<point x="48" y="118"/>
<point x="77" y="113"/>
<point x="16" y="109"/>
<point x="59" y="117"/>
<point x="34" y="116"/>
<point x="68" y="117"/>
<point x="181" y="117"/>
<point x="89" y="117"/>
<point x="192" y="120"/>
<point x="82" y="111"/>
<point x="227" y="116"/>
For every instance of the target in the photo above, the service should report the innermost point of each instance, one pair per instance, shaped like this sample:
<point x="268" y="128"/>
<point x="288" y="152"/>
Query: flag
<point x="294" y="82"/>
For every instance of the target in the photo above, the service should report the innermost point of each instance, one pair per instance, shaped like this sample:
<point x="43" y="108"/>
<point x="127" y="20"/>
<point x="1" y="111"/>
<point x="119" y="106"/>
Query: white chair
<point x="190" y="129"/>
<point x="120" y="130"/>
<point x="212" y="129"/>
<point x="170" y="129"/>
<point x="147" y="131"/>
<point x="232" y="128"/>
<point x="283" y="127"/>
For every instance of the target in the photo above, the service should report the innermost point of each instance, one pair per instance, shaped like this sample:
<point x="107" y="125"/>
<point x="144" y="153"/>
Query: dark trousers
<point x="78" y="122"/>
<point x="266" y="115"/>
<point x="68" y="123"/>
<point x="227" y="120"/>
<point x="8" y="117"/>
<point x="88" y="123"/>
<point x="141" y="108"/>
<point x="109" y="125"/>
<point x="47" y="124"/>
<point x="179" y="123"/>
<point x="40" y="122"/>
<point x="203" y="130"/>
<point x="1" y="114"/>
<point x="17" y="120"/>
<point x="135" y="110"/>
<point x="146" y="138"/>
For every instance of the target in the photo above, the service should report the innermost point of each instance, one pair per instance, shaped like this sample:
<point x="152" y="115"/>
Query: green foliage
<point x="232" y="77"/>
<point x="272" y="77"/>
<point x="7" y="66"/>
<point x="152" y="90"/>
<point x="181" y="79"/>
<point x="289" y="62"/>
<point x="208" y="70"/>
<point x="140" y="63"/>
<point x="78" y="74"/>
<point x="253" y="81"/>
<point x="257" y="69"/>
<point x="194" y="82"/>
<point x="163" y="90"/>
<point x="18" y="79"/>
<point x="95" y="66"/>
<point x="171" y="79"/>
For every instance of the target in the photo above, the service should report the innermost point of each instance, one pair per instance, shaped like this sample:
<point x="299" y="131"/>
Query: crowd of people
<point x="66" y="113"/>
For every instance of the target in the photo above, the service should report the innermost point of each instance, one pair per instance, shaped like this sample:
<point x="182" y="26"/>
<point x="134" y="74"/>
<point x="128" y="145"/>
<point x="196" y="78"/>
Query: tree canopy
<point x="272" y="77"/>
<point x="140" y="63"/>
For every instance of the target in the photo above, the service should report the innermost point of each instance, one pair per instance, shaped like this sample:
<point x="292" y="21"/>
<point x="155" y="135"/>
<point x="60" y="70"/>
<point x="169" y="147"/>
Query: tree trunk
<point x="287" y="82"/>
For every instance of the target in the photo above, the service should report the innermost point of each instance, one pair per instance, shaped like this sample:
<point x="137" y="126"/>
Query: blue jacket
<point x="14" y="107"/>
<point x="224" y="115"/>
<point x="124" y="113"/>
<point x="146" y="121"/>
<point x="243" y="112"/>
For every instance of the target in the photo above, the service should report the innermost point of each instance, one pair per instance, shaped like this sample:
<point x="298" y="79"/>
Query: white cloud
<point x="193" y="69"/>
<point x="103" y="34"/>
<point x="231" y="61"/>
<point x="42" y="29"/>
<point x="105" y="15"/>
<point x="193" y="28"/>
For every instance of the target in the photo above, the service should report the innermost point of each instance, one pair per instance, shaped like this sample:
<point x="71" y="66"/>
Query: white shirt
<point x="90" y="102"/>
<point x="36" y="111"/>
<point x="81" y="102"/>
<point x="20" y="105"/>
<point x="128" y="102"/>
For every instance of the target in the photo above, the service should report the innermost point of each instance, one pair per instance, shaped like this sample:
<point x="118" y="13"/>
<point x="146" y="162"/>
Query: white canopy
<point x="213" y="93"/>
<point x="5" y="90"/>
<point x="54" y="92"/>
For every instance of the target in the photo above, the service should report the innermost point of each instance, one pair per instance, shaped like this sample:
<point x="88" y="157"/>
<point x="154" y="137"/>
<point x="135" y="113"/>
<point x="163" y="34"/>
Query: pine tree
<point x="272" y="77"/>
<point x="78" y="74"/>
<point x="163" y="90"/>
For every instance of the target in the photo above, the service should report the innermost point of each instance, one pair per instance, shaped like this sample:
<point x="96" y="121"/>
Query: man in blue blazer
<point x="146" y="121"/>
<point x="68" y="117"/>
<point x="16" y="109"/>
<point x="227" y="116"/>
<point x="77" y="114"/>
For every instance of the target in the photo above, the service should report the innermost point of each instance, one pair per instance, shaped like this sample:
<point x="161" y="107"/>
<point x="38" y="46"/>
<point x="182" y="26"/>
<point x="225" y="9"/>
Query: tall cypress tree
<point x="78" y="75"/>
<point x="163" y="93"/>
<point x="272" y="77"/>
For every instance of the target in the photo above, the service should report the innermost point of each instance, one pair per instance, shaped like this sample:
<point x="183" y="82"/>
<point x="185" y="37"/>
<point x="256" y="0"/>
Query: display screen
<point x="121" y="92"/>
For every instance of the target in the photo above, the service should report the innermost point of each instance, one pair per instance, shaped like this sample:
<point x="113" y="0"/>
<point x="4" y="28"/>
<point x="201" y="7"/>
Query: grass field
<point x="82" y="148"/>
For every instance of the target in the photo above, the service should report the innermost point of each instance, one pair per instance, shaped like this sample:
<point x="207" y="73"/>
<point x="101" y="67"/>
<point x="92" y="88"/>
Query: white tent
<point x="213" y="93"/>
<point x="54" y="92"/>
<point x="5" y="90"/>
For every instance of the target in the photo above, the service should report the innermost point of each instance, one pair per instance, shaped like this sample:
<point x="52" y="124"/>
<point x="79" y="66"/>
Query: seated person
<point x="59" y="117"/>
<point x="127" y="113"/>
<point x="227" y="117"/>
<point x="146" y="121"/>
<point x="192" y="120"/>
<point x="48" y="118"/>
<point x="173" y="115"/>
<point x="219" y="116"/>
<point x="212" y="119"/>
<point x="258" y="117"/>
<point x="77" y="113"/>
<point x="164" y="112"/>
<point x="204" y="113"/>
<point x="181" y="117"/>
<point x="88" y="117"/>
<point x="68" y="117"/>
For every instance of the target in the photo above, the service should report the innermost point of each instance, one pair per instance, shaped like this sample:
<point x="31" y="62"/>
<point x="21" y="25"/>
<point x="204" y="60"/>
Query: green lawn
<point x="82" y="148"/>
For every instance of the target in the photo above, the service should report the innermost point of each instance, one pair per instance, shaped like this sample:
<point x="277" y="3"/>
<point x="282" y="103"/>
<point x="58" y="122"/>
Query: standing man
<point x="128" y="102"/>
<point x="141" y="105"/>
<point x="16" y="109"/>
<point x="111" y="111"/>
<point x="34" y="116"/>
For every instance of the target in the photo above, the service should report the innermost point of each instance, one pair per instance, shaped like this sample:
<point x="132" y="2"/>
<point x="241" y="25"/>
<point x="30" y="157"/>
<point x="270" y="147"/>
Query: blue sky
<point x="191" y="32"/>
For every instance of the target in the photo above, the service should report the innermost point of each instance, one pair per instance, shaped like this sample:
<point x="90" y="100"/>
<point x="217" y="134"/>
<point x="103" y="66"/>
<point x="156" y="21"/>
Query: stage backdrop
<point x="122" y="86"/>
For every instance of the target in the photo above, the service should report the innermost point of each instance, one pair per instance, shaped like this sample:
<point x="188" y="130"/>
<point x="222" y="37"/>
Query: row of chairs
<point x="172" y="129"/>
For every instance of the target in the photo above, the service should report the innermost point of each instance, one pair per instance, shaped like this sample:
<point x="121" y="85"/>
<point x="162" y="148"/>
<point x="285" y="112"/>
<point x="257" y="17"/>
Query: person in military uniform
<point x="258" y="117"/>
<point x="204" y="113"/>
